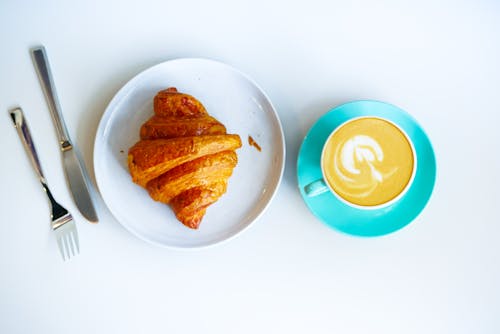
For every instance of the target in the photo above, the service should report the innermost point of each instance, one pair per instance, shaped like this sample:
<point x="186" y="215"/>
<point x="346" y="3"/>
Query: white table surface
<point x="289" y="273"/>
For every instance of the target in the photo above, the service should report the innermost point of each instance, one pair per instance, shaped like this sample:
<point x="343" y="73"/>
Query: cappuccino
<point x="368" y="161"/>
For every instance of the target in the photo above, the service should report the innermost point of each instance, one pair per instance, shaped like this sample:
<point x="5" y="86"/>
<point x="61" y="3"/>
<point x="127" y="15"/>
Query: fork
<point x="62" y="222"/>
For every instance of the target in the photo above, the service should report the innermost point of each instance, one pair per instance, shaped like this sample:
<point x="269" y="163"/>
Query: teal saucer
<point x="373" y="222"/>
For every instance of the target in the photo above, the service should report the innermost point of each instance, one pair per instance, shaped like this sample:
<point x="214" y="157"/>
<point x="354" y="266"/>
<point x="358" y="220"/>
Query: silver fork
<point x="62" y="221"/>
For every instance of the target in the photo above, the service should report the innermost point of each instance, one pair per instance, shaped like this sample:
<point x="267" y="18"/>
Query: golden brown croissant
<point x="169" y="102"/>
<point x="148" y="159"/>
<point x="190" y="206"/>
<point x="184" y="157"/>
<point x="172" y="127"/>
<point x="199" y="172"/>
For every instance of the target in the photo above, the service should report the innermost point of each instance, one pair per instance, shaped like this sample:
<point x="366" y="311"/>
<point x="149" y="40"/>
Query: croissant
<point x="170" y="102"/>
<point x="199" y="172"/>
<point x="172" y="127"/>
<point x="185" y="157"/>
<point x="148" y="159"/>
<point x="190" y="207"/>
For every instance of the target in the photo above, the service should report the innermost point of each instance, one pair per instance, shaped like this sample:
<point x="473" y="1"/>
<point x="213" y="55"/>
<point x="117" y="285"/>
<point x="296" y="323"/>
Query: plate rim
<point x="127" y="88"/>
<point x="353" y="114"/>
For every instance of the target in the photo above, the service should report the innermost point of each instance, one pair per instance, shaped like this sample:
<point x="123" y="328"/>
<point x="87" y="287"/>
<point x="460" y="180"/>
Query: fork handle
<point x="25" y="135"/>
<point x="41" y="63"/>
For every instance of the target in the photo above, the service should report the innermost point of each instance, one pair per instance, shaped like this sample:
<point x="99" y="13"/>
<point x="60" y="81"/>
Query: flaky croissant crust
<point x="184" y="157"/>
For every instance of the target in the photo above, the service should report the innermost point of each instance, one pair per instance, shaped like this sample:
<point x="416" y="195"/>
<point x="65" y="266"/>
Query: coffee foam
<point x="356" y="164"/>
<point x="368" y="161"/>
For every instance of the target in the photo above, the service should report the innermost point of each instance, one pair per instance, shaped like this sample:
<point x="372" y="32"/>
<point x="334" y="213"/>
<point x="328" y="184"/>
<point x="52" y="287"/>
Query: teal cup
<point x="368" y="153"/>
<point x="365" y="220"/>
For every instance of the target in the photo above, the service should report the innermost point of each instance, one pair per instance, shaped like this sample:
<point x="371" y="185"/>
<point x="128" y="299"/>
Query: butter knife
<point x="76" y="175"/>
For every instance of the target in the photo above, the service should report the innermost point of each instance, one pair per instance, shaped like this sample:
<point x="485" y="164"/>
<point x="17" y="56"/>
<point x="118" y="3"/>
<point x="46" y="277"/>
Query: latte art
<point x="359" y="163"/>
<point x="368" y="161"/>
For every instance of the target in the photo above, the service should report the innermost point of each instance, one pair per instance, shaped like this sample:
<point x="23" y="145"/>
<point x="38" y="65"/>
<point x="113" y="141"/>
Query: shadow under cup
<point x="367" y="163"/>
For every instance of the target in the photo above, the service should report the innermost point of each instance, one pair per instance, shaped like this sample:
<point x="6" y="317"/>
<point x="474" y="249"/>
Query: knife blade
<point x="74" y="168"/>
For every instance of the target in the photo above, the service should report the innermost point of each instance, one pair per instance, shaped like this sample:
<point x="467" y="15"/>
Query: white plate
<point x="233" y="99"/>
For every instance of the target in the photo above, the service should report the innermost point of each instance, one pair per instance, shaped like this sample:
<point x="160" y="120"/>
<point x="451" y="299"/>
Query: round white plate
<point x="233" y="99"/>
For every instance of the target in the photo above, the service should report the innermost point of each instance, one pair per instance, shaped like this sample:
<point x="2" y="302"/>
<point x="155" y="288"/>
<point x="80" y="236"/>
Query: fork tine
<point x="74" y="235"/>
<point x="66" y="246"/>
<point x="71" y="243"/>
<point x="76" y="242"/>
<point x="61" y="246"/>
<point x="69" y="237"/>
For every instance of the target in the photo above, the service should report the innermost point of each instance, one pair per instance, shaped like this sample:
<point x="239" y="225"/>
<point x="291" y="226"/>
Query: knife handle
<point x="25" y="135"/>
<point x="45" y="76"/>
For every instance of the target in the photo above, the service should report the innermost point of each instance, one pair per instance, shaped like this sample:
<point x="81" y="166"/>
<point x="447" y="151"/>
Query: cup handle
<point x="316" y="188"/>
